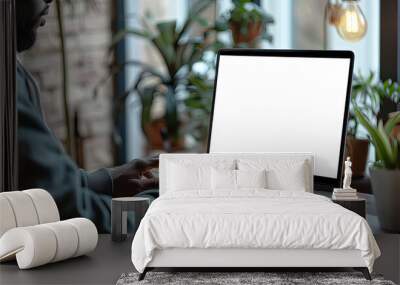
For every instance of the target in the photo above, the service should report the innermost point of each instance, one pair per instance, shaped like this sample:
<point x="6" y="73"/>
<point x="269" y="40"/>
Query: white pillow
<point x="236" y="179"/>
<point x="288" y="179"/>
<point x="181" y="177"/>
<point x="251" y="178"/>
<point x="223" y="179"/>
<point x="186" y="174"/>
<point x="282" y="174"/>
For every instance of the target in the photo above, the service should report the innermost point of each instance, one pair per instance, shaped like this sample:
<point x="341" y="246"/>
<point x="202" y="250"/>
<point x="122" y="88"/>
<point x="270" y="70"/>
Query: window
<point x="298" y="24"/>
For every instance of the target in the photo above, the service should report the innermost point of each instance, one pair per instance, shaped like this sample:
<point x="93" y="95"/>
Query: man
<point x="42" y="160"/>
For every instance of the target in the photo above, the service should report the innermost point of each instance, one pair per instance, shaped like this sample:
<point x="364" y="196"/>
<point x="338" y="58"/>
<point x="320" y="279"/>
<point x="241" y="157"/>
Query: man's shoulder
<point x="27" y="92"/>
<point x="22" y="78"/>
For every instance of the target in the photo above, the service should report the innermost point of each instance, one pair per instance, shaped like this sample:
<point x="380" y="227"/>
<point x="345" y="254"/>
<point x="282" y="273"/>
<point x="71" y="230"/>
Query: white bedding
<point x="250" y="218"/>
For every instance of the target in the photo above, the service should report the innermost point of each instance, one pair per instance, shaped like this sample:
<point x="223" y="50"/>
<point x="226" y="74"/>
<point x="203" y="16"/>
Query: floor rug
<point x="244" y="278"/>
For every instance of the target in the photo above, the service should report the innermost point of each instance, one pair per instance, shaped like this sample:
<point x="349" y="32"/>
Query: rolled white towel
<point x="26" y="208"/>
<point x="7" y="218"/>
<point x="87" y="234"/>
<point x="45" y="205"/>
<point x="23" y="208"/>
<point x="40" y="244"/>
<point x="32" y="246"/>
<point x="67" y="240"/>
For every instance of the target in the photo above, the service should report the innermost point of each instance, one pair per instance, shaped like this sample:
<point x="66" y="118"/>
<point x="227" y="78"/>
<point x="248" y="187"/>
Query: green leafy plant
<point x="179" y="52"/>
<point x="198" y="103"/>
<point x="245" y="11"/>
<point x="386" y="146"/>
<point x="365" y="98"/>
<point x="368" y="95"/>
<point x="389" y="90"/>
<point x="248" y="22"/>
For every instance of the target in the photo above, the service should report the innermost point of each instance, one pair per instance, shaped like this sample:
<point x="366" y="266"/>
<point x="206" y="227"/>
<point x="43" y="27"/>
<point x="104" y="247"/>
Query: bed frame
<point x="242" y="259"/>
<point x="250" y="259"/>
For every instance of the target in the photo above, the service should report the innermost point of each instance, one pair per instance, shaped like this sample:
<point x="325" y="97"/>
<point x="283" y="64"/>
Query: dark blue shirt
<point x="43" y="163"/>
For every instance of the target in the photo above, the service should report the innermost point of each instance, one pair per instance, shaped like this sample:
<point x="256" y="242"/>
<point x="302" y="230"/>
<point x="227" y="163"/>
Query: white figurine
<point x="347" y="174"/>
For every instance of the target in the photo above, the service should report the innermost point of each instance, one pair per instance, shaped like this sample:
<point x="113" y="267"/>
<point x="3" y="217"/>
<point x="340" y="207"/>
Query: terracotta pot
<point x="357" y="149"/>
<point x="386" y="189"/>
<point x="396" y="129"/>
<point x="254" y="30"/>
<point x="153" y="134"/>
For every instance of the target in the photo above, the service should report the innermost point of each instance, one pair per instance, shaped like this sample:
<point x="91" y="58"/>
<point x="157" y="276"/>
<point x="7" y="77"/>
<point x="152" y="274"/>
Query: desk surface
<point x="103" y="266"/>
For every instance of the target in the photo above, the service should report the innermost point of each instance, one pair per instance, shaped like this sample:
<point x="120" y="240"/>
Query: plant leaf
<point x="171" y="116"/>
<point x="164" y="43"/>
<point x="145" y="68"/>
<point x="396" y="152"/>
<point x="387" y="145"/>
<point x="147" y="97"/>
<point x="375" y="137"/>
<point x="198" y="7"/>
<point x="391" y="123"/>
<point x="120" y="35"/>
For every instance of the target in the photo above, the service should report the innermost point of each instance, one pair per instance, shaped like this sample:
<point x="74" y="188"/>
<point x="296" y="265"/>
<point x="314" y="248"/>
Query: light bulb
<point x="352" y="24"/>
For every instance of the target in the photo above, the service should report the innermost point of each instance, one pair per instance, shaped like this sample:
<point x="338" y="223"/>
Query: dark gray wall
<point x="389" y="49"/>
<point x="389" y="42"/>
<point x="8" y="117"/>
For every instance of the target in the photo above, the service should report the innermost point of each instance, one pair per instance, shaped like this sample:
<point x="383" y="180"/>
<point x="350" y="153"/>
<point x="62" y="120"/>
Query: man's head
<point x="30" y="16"/>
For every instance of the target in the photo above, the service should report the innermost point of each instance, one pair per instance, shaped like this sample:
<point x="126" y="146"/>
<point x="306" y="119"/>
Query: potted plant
<point x="248" y="23"/>
<point x="198" y="102"/>
<point x="385" y="173"/>
<point x="179" y="52"/>
<point x="365" y="97"/>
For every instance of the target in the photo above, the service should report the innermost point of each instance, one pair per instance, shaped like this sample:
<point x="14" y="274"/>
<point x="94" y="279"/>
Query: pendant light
<point x="348" y="19"/>
<point x="352" y="25"/>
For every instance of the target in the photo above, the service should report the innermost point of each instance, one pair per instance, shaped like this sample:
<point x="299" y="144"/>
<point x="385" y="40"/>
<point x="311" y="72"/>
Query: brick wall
<point x="88" y="35"/>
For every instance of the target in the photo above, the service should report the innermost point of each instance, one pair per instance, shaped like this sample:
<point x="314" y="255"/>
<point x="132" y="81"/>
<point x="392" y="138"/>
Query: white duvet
<point x="250" y="219"/>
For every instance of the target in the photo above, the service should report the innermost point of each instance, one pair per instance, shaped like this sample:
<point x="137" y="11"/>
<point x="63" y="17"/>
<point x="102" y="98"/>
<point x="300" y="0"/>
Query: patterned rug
<point x="243" y="278"/>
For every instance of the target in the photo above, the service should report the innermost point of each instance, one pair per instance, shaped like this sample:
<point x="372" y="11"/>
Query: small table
<point x="357" y="206"/>
<point x="119" y="214"/>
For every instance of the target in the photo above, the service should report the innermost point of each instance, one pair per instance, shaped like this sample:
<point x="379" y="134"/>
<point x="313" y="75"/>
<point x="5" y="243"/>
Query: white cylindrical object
<point x="45" y="205"/>
<point x="7" y="218"/>
<point x="37" y="245"/>
<point x="67" y="240"/>
<point x="23" y="208"/>
<point x="33" y="246"/>
<point x="87" y="234"/>
<point x="31" y="232"/>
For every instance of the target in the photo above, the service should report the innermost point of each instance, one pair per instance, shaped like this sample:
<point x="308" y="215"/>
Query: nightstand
<point x="358" y="205"/>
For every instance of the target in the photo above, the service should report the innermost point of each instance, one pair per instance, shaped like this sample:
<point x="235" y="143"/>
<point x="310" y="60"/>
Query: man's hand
<point x="134" y="177"/>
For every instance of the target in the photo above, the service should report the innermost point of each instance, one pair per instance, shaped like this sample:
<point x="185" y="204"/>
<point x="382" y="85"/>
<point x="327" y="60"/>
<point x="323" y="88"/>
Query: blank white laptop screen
<point x="288" y="103"/>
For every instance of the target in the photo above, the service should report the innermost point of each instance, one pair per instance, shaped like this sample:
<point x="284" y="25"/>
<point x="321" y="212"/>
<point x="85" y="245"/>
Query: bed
<point x="247" y="211"/>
